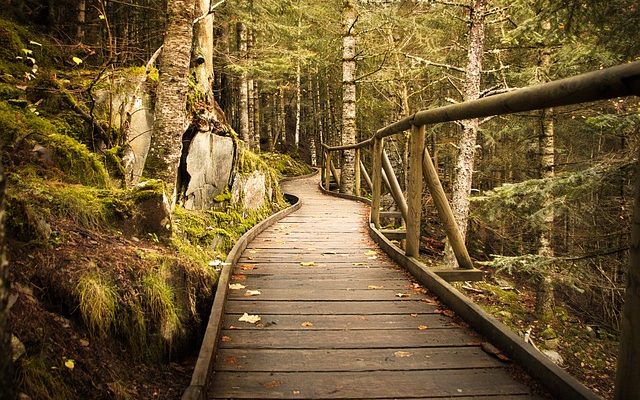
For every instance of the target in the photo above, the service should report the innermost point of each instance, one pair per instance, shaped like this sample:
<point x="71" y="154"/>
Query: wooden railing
<point x="619" y="81"/>
<point x="622" y="80"/>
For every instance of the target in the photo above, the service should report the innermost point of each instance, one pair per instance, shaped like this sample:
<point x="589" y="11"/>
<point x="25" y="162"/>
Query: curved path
<point x="338" y="319"/>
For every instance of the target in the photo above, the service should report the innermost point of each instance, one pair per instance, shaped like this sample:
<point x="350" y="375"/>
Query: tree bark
<point x="349" y="18"/>
<point x="628" y="373"/>
<point x="82" y="8"/>
<point x="171" y="96"/>
<point x="544" y="286"/>
<point x="203" y="50"/>
<point x="244" y="86"/>
<point x="6" y="365"/>
<point x="467" y="144"/>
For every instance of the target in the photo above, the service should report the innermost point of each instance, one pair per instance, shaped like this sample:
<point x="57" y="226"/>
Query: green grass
<point x="98" y="302"/>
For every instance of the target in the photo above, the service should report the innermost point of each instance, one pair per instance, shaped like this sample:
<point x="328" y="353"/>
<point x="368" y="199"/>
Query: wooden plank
<point x="390" y="359"/>
<point x="329" y="307"/>
<point x="341" y="322"/>
<point x="369" y="385"/>
<point x="268" y="339"/>
<point x="313" y="294"/>
<point x="284" y="282"/>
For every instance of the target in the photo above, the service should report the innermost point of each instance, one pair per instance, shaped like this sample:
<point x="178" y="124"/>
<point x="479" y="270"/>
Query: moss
<point x="160" y="300"/>
<point x="41" y="381"/>
<point x="286" y="165"/>
<point x="145" y="190"/>
<point x="222" y="197"/>
<point x="9" y="91"/>
<point x="113" y="161"/>
<point x="78" y="163"/>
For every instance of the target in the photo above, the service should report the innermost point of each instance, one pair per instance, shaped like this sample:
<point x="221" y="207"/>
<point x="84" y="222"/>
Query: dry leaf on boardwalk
<point x="246" y="267"/>
<point x="272" y="384"/>
<point x="239" y="277"/>
<point x="402" y="295"/>
<point x="402" y="354"/>
<point x="414" y="315"/>
<point x="423" y="327"/>
<point x="236" y="286"/>
<point x="308" y="264"/>
<point x="252" y="319"/>
<point x="375" y="287"/>
<point x="358" y="263"/>
<point x="250" y="293"/>
<point x="231" y="360"/>
<point x="226" y="339"/>
<point x="370" y="253"/>
<point x="307" y="324"/>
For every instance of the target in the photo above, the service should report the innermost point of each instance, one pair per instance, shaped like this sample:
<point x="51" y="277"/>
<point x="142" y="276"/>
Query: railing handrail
<point x="618" y="81"/>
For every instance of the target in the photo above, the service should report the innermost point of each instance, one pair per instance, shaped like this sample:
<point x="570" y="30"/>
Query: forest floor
<point x="588" y="353"/>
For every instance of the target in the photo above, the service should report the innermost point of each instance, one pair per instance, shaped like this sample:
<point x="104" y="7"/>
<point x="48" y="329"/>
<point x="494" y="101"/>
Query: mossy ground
<point x="589" y="355"/>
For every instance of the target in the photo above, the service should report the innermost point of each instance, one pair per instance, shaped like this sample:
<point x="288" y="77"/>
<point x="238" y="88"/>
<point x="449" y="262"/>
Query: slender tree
<point x="6" y="366"/>
<point x="349" y="17"/>
<point x="467" y="143"/>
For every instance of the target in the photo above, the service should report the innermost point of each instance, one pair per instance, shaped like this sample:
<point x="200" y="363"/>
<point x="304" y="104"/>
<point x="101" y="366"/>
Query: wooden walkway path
<point x="338" y="319"/>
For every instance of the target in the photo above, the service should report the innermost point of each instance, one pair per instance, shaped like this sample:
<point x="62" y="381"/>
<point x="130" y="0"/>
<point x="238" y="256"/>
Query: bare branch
<point x="211" y="10"/>
<point x="435" y="64"/>
<point x="452" y="3"/>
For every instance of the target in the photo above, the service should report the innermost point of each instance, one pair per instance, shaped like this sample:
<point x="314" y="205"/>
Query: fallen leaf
<point x="231" y="360"/>
<point x="402" y="354"/>
<point x="414" y="315"/>
<point x="239" y="277"/>
<point x="375" y="287"/>
<point x="492" y="350"/>
<point x="402" y="295"/>
<point x="370" y="253"/>
<point x="272" y="384"/>
<point x="358" y="263"/>
<point x="84" y="343"/>
<point x="372" y="258"/>
<point x="296" y="392"/>
<point x="307" y="324"/>
<point x="423" y="327"/>
<point x="70" y="364"/>
<point x="250" y="293"/>
<point x="253" y="251"/>
<point x="236" y="286"/>
<point x="233" y="327"/>
<point x="447" y="313"/>
<point x="246" y="267"/>
<point x="252" y="319"/>
<point x="308" y="264"/>
<point x="226" y="339"/>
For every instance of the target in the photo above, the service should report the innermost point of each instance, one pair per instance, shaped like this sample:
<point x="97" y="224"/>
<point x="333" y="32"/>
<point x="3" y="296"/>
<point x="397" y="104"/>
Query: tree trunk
<point x="628" y="373"/>
<point x="544" y="286"/>
<point x="6" y="366"/>
<point x="244" y="86"/>
<point x="257" y="120"/>
<point x="467" y="144"/>
<point x="171" y="96"/>
<point x="203" y="50"/>
<point x="82" y="9"/>
<point x="348" y="95"/>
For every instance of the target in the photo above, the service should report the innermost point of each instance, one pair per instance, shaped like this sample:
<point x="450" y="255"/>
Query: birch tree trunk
<point x="244" y="86"/>
<point x="467" y="144"/>
<point x="6" y="366"/>
<point x="349" y="18"/>
<point x="171" y="96"/>
<point x="81" y="19"/>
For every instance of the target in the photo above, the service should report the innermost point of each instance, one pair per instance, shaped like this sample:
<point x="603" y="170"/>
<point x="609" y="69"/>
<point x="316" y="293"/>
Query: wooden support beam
<point x="444" y="212"/>
<point x="394" y="186"/>
<point x="356" y="190"/>
<point x="394" y="234"/>
<point x="365" y="174"/>
<point x="334" y="172"/>
<point x="377" y="181"/>
<point x="327" y="170"/>
<point x="414" y="191"/>
<point x="390" y="214"/>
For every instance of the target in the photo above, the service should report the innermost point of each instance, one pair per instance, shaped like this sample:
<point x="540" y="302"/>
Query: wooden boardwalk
<point x="338" y="319"/>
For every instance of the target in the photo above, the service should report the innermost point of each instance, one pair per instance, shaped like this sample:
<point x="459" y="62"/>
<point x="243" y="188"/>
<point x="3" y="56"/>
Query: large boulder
<point x="209" y="165"/>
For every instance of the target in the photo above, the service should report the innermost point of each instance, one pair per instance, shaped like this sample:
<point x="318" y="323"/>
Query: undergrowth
<point x="98" y="302"/>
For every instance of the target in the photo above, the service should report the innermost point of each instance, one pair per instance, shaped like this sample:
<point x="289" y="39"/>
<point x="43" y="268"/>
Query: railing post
<point x="357" y="173"/>
<point x="327" y="169"/>
<point x="378" y="147"/>
<point x="444" y="212"/>
<point x="414" y="191"/>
